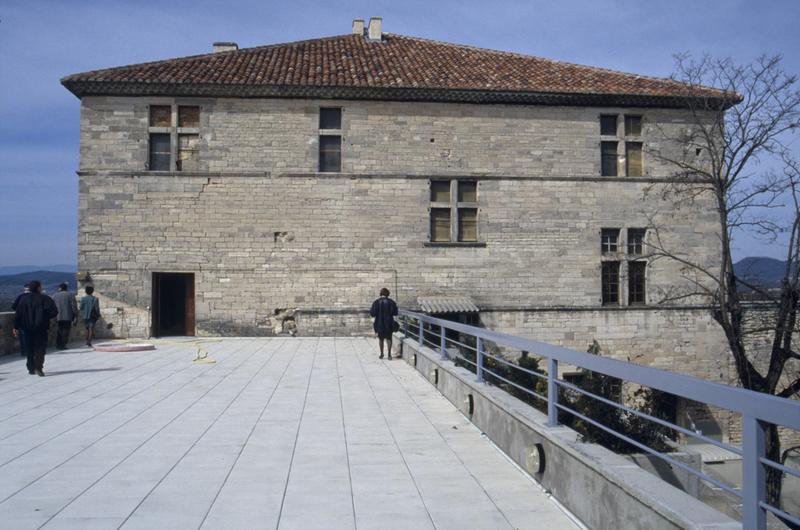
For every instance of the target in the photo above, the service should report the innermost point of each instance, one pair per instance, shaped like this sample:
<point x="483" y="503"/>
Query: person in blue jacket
<point x="383" y="310"/>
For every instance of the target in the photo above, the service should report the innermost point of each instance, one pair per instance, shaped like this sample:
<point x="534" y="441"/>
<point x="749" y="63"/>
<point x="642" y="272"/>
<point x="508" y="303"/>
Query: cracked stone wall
<point x="262" y="231"/>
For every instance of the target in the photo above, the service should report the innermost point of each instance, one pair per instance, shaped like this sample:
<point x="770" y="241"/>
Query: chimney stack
<point x="358" y="27"/>
<point x="225" y="47"/>
<point x="374" y="31"/>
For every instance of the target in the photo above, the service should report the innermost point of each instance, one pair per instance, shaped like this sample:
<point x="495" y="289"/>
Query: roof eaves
<point x="81" y="88"/>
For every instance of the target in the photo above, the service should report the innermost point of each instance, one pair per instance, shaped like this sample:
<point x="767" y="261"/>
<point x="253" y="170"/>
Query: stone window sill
<point x="468" y="244"/>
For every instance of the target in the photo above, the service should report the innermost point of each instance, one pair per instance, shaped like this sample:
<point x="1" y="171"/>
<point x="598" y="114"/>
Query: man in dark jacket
<point x="32" y="316"/>
<point x="383" y="310"/>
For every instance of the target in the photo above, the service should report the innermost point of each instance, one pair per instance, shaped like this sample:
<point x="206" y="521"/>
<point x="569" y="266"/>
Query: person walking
<point x="32" y="317"/>
<point x="383" y="310"/>
<point x="67" y="315"/>
<point x="90" y="313"/>
<point x="22" y="337"/>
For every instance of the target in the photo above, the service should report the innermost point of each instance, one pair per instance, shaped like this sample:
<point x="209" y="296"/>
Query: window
<point x="454" y="211"/>
<point x="636" y="241"/>
<point x="633" y="125"/>
<point x="330" y="153"/>
<point x="609" y="240"/>
<point x="636" y="282"/>
<point x="159" y="152"/>
<point x="189" y="117"/>
<point x="160" y="116"/>
<point x="633" y="158"/>
<point x="467" y="191"/>
<point x="186" y="136"/>
<point x="440" y="191"/>
<point x="467" y="224"/>
<point x="440" y="224"/>
<point x="187" y="152"/>
<point x="608" y="159"/>
<point x="330" y="118"/>
<point x="608" y="125"/>
<point x="610" y="282"/>
<point x="330" y="145"/>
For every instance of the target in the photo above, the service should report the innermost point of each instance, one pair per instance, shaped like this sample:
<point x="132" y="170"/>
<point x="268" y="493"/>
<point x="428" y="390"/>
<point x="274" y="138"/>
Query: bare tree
<point x="716" y="158"/>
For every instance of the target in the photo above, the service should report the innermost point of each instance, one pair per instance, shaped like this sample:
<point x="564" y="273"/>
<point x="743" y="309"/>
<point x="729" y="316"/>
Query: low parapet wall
<point x="601" y="488"/>
<point x="9" y="345"/>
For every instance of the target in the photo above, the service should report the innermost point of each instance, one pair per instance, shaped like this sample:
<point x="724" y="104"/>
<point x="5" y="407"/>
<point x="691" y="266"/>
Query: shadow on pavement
<point x="86" y="371"/>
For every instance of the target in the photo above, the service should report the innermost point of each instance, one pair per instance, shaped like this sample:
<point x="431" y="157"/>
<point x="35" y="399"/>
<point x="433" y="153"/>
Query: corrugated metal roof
<point x="447" y="304"/>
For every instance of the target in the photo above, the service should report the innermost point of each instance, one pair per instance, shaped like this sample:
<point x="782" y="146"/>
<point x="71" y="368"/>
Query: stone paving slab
<point x="283" y="433"/>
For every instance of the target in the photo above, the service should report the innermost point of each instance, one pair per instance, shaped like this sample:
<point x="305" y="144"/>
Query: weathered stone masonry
<point x="262" y="231"/>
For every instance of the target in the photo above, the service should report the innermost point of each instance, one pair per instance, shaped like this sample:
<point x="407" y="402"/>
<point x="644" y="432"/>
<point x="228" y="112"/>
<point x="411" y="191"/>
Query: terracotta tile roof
<point x="397" y="67"/>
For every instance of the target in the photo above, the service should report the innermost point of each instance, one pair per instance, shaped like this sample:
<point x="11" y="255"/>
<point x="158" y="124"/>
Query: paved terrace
<point x="279" y="433"/>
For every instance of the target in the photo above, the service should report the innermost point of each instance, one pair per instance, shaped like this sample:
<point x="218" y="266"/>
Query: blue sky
<point x="42" y="41"/>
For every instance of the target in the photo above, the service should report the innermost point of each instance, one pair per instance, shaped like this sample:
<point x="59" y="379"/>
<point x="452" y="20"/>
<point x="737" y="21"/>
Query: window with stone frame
<point x="330" y="139"/>
<point x="636" y="241"/>
<point x="609" y="278"/>
<point x="453" y="211"/>
<point x="621" y="139"/>
<point x="160" y="152"/>
<point x="636" y="282"/>
<point x="174" y="137"/>
<point x="609" y="240"/>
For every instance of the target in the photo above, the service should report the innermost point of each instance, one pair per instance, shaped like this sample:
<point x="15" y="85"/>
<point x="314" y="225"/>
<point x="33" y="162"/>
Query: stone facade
<point x="263" y="231"/>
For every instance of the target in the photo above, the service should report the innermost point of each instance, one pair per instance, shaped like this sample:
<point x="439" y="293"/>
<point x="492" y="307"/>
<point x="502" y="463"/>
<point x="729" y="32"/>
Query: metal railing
<point x="756" y="409"/>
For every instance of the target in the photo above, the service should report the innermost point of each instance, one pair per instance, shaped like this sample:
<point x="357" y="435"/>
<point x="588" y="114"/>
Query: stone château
<point x="277" y="188"/>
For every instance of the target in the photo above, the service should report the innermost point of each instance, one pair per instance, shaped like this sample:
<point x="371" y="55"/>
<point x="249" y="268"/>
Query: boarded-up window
<point x="633" y="125"/>
<point x="636" y="241"/>
<point x="608" y="159"/>
<point x="440" y="191"/>
<point x="467" y="224"/>
<point x="609" y="240"/>
<point x="330" y="153"/>
<point x="440" y="224"/>
<point x="159" y="152"/>
<point x="636" y="282"/>
<point x="610" y="282"/>
<point x="633" y="157"/>
<point x="330" y="118"/>
<point x="188" y="152"/>
<point x="160" y="116"/>
<point x="189" y="117"/>
<point x="467" y="191"/>
<point x="608" y="125"/>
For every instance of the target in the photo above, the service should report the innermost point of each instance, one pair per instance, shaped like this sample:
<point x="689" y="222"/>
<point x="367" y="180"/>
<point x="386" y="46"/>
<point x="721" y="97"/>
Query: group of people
<point x="33" y="311"/>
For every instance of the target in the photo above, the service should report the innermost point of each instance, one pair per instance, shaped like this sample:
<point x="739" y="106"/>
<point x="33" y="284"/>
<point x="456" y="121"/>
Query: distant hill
<point x="765" y="272"/>
<point x="11" y="284"/>
<point x="17" y="269"/>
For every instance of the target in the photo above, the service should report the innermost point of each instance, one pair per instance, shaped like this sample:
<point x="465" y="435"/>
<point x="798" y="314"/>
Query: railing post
<point x="421" y="333"/>
<point x="479" y="359"/>
<point x="754" y="477"/>
<point x="405" y="327"/>
<point x="442" y="342"/>
<point x="552" y="392"/>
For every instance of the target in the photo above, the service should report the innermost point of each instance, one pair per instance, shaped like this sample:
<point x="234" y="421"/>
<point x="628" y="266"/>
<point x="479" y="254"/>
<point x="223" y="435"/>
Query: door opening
<point x="173" y="304"/>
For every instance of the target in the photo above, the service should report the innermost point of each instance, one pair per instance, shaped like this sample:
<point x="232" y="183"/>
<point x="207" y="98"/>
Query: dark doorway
<point x="173" y="304"/>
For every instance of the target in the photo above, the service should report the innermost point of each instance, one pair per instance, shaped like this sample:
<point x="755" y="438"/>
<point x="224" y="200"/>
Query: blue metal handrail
<point x="755" y="408"/>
